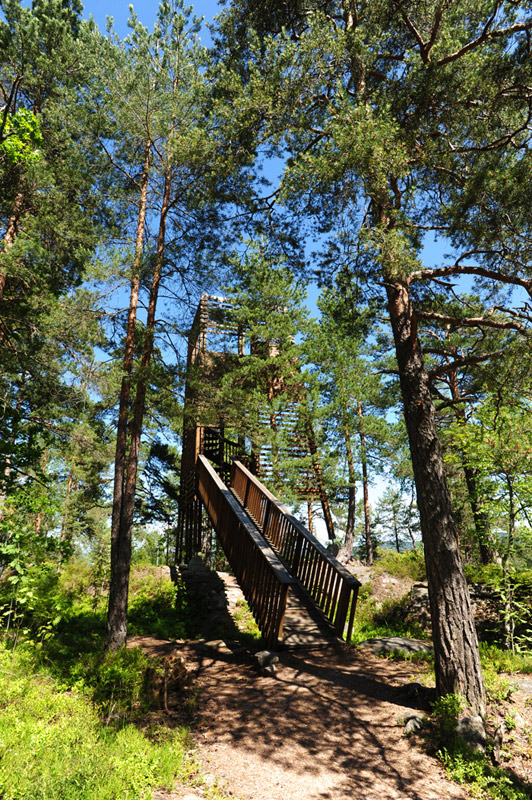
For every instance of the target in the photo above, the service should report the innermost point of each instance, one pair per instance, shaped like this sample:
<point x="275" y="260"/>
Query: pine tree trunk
<point x="508" y="589"/>
<point x="120" y="561"/>
<point x="457" y="661"/>
<point x="365" y="489"/>
<point x="480" y="517"/>
<point x="309" y="516"/>
<point x="11" y="233"/>
<point x="347" y="548"/>
<point x="65" y="536"/>
<point x="318" y="475"/>
<point x="119" y="589"/>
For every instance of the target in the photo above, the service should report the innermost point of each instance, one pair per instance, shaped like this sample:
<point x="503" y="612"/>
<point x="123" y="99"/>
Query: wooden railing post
<point x="266" y="518"/>
<point x="297" y="552"/>
<point x="341" y="609"/>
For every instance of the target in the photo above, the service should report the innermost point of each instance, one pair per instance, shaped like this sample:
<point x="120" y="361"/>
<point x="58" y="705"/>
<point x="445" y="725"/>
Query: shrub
<point x="115" y="680"/>
<point x="54" y="745"/>
<point x="410" y="564"/>
<point x="158" y="607"/>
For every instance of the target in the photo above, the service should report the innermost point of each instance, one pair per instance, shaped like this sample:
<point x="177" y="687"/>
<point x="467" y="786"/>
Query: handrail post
<point x="266" y="516"/>
<point x="341" y="610"/>
<point x="297" y="552"/>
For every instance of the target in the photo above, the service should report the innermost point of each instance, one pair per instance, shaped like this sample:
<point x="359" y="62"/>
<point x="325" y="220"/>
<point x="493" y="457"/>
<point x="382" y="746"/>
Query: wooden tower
<point x="216" y="345"/>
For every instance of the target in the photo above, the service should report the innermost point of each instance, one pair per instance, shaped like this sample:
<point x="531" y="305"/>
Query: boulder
<point x="472" y="731"/>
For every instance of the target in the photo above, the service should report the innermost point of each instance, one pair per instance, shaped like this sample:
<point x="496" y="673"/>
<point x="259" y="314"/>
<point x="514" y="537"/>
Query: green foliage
<point x="245" y="621"/>
<point x="116" y="680"/>
<point x="54" y="745"/>
<point x="445" y="712"/>
<point x="496" y="660"/>
<point x="483" y="573"/>
<point x="59" y="617"/>
<point x="465" y="765"/>
<point x="483" y="780"/>
<point x="158" y="607"/>
<point x="410" y="564"/>
<point x="32" y="605"/>
<point x="21" y="137"/>
<point x="387" y="620"/>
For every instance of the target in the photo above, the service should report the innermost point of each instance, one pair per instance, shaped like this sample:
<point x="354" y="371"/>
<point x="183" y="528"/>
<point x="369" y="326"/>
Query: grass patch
<point x="245" y="620"/>
<point x="483" y="779"/>
<point x="159" y="607"/>
<point x="53" y="744"/>
<point x="466" y="766"/>
<point x="387" y="620"/>
<point x="410" y="564"/>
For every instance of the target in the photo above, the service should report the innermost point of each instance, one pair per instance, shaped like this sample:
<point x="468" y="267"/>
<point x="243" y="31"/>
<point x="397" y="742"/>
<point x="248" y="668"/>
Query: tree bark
<point x="119" y="589"/>
<point x="120" y="550"/>
<point x="11" y="233"/>
<point x="347" y="548"/>
<point x="318" y="475"/>
<point x="65" y="536"/>
<point x="309" y="516"/>
<point x="365" y="489"/>
<point x="457" y="661"/>
<point x="508" y="617"/>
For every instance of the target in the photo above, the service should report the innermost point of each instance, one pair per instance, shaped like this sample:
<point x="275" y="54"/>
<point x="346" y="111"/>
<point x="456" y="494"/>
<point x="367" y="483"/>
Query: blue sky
<point x="146" y="11"/>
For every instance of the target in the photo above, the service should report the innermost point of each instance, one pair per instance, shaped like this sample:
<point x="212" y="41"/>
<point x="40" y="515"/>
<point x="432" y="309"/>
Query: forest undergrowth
<point x="76" y="721"/>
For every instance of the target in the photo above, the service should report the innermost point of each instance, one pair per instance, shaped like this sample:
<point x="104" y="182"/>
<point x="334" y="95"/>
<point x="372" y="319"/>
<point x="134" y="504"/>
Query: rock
<point x="217" y="644"/>
<point x="497" y="742"/>
<point x="413" y="722"/>
<point x="395" y="644"/>
<point x="197" y="564"/>
<point x="472" y="731"/>
<point x="416" y="695"/>
<point x="267" y="660"/>
<point x="524" y="684"/>
<point x="518" y="720"/>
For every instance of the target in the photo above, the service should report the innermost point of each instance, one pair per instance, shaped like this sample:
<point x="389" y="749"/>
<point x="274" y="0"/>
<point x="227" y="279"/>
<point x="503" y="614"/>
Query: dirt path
<point x="327" y="726"/>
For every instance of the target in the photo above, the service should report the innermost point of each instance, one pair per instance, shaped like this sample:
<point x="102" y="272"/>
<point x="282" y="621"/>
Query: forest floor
<point x="328" y="725"/>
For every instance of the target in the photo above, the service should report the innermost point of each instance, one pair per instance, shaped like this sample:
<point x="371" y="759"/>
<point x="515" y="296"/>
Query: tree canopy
<point x="378" y="152"/>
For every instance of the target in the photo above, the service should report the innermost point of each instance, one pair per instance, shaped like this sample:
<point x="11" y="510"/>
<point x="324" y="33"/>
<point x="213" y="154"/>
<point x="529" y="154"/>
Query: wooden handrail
<point x="332" y="587"/>
<point x="262" y="577"/>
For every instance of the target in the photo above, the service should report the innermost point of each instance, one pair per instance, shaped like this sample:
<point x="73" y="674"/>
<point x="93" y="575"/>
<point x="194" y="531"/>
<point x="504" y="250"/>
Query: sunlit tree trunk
<point x="457" y="661"/>
<point x="347" y="548"/>
<point x="11" y="234"/>
<point x="119" y="589"/>
<point x="365" y="489"/>
<point x="117" y="611"/>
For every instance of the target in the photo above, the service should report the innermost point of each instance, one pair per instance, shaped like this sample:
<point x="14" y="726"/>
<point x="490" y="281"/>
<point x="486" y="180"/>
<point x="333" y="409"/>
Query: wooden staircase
<point x="298" y="593"/>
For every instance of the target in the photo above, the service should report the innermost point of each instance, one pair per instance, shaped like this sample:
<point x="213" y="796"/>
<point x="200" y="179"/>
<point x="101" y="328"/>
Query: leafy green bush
<point x="474" y="769"/>
<point x="54" y="745"/>
<point x="465" y="765"/>
<point x="158" y="607"/>
<point x="387" y="620"/>
<point x="445" y="712"/>
<point x="30" y="601"/>
<point x="115" y="680"/>
<point x="495" y="660"/>
<point x="410" y="564"/>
